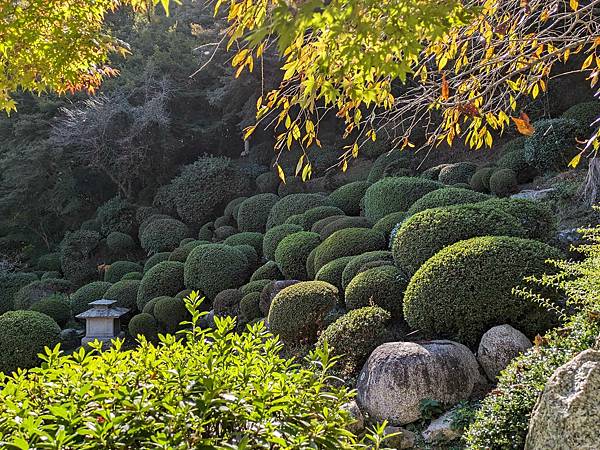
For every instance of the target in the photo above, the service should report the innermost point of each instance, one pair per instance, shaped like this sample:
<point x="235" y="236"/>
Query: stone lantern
<point x="103" y="321"/>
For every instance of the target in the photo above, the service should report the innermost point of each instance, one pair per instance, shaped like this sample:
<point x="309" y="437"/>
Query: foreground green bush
<point x="144" y="324"/>
<point x="348" y="242"/>
<point x="274" y="236"/>
<point x="349" y="196"/>
<point x="24" y="334"/>
<point x="427" y="232"/>
<point x="466" y="289"/>
<point x="297" y="312"/>
<point x="292" y="253"/>
<point x="355" y="335"/>
<point x="395" y="194"/>
<point x="250" y="385"/>
<point x="118" y="269"/>
<point x="389" y="222"/>
<point x="503" y="420"/>
<point x="268" y="271"/>
<point x="480" y="181"/>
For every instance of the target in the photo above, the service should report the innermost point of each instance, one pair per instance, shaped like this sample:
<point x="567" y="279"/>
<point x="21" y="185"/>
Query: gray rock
<point x="403" y="439"/>
<point x="498" y="346"/>
<point x="70" y="338"/>
<point x="569" y="236"/>
<point x="440" y="429"/>
<point x="567" y="415"/>
<point x="532" y="194"/>
<point x="359" y="420"/>
<point x="398" y="375"/>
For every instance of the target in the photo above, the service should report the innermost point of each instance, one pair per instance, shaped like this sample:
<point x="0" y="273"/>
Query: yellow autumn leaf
<point x="280" y="173"/>
<point x="575" y="161"/>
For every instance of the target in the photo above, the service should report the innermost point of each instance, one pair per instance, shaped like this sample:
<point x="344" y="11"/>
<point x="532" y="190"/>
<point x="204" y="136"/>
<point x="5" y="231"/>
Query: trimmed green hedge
<point x="254" y="212"/>
<point x="37" y="290"/>
<point x="232" y="207"/>
<point x="348" y="242"/>
<point x="155" y="259"/>
<point x="274" y="236"/>
<point x="349" y="196"/>
<point x="480" y="181"/>
<point x="332" y="271"/>
<point x="227" y="303"/>
<point x="119" y="243"/>
<point x="118" y="269"/>
<point x="169" y="312"/>
<point x="313" y="215"/>
<point x="133" y="276"/>
<point x="10" y="283"/>
<point x="382" y="286"/>
<point x="206" y="231"/>
<point x="270" y="291"/>
<point x="297" y="312"/>
<point x="88" y="293"/>
<point x="446" y="197"/>
<point x="117" y="214"/>
<point x="513" y="158"/>
<point x="466" y="289"/>
<point x="50" y="262"/>
<point x="249" y="309"/>
<point x="163" y="235"/>
<point x="144" y="324"/>
<point x="388" y="223"/>
<point x="355" y="265"/>
<point x="56" y="306"/>
<point x="250" y="254"/>
<point x="536" y="218"/>
<point x="460" y="172"/>
<point x="343" y="223"/>
<point x="165" y="278"/>
<point x="24" y="334"/>
<point x="503" y="182"/>
<point x="125" y="292"/>
<point x="310" y="264"/>
<point x="428" y="232"/>
<point x="354" y="336"/>
<point x="292" y="253"/>
<point x="395" y="194"/>
<point x="268" y="271"/>
<point x="553" y="144"/>
<point x="396" y="157"/>
<point x="254" y="286"/>
<point x="247" y="238"/>
<point x="76" y="256"/>
<point x="293" y="204"/>
<point x="212" y="268"/>
<point x="222" y="233"/>
<point x="585" y="114"/>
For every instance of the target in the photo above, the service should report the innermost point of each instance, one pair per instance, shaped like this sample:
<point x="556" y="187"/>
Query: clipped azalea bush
<point x="292" y="253"/>
<point x="254" y="286"/>
<point x="31" y="293"/>
<point x="247" y="238"/>
<point x="144" y="324"/>
<point x="274" y="236"/>
<point x="24" y="334"/>
<point x="155" y="259"/>
<point x="388" y="223"/>
<point x="56" y="306"/>
<point x="119" y="243"/>
<point x="357" y="262"/>
<point x="536" y="218"/>
<point x="349" y="196"/>
<point x="163" y="235"/>
<point x="268" y="271"/>
<point x="382" y="286"/>
<point x="125" y="292"/>
<point x="553" y="144"/>
<point x="170" y="312"/>
<point x="166" y="278"/>
<point x="90" y="292"/>
<point x="49" y="262"/>
<point x="251" y="386"/>
<point x="446" y="197"/>
<point x="348" y="242"/>
<point x="396" y="157"/>
<point x="332" y="271"/>
<point x="254" y="212"/>
<point x="10" y="283"/>
<point x="503" y="182"/>
<point x="117" y="214"/>
<point x="467" y="288"/>
<point x="249" y="252"/>
<point x="514" y="158"/>
<point x="293" y="204"/>
<point x="213" y="268"/>
<point x="585" y="114"/>
<point x="460" y="172"/>
<point x="118" y="269"/>
<point x="77" y="251"/>
<point x="297" y="312"/>
<point x="480" y="181"/>
<point x="313" y="215"/>
<point x="395" y="194"/>
<point x="227" y="303"/>
<point x="355" y="335"/>
<point x="428" y="232"/>
<point x="343" y="223"/>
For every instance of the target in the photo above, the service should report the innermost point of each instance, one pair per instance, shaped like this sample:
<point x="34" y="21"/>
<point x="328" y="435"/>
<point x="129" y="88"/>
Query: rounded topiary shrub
<point x="169" y="312"/>
<point x="585" y="114"/>
<point x="382" y="286"/>
<point x="222" y="233"/>
<point x="151" y="219"/>
<point x="355" y="335"/>
<point x="254" y="286"/>
<point x="163" y="235"/>
<point x="50" y="262"/>
<point x="268" y="271"/>
<point x="250" y="254"/>
<point x="313" y="215"/>
<point x="388" y="223"/>
<point x="395" y="194"/>
<point x="254" y="212"/>
<point x="460" y="172"/>
<point x="224" y="221"/>
<point x="320" y="224"/>
<point x="119" y="243"/>
<point x="446" y="197"/>
<point x="293" y="204"/>
<point x="213" y="268"/>
<point x="503" y="182"/>
<point x="31" y="293"/>
<point x="133" y="276"/>
<point x="77" y="260"/>
<point x="117" y="214"/>
<point x="343" y="223"/>
<point x="355" y="265"/>
<point x="553" y="144"/>
<point x="348" y="242"/>
<point x="231" y="208"/>
<point x="56" y="306"/>
<point x="144" y="324"/>
<point x="82" y="297"/>
<point x="149" y="306"/>
<point x="395" y="157"/>
<point x="480" y="181"/>
<point x="10" y="283"/>
<point x="125" y="292"/>
<point x="166" y="278"/>
<point x="310" y="264"/>
<point x="49" y="275"/>
<point x="249" y="309"/>
<point x="332" y="271"/>
<point x="24" y="334"/>
<point x="297" y="312"/>
<point x="144" y="212"/>
<point x="267" y="182"/>
<point x="227" y="303"/>
<point x="349" y="196"/>
<point x="427" y="232"/>
<point x="118" y="269"/>
<point x="433" y="173"/>
<point x="247" y="238"/>
<point x="270" y="291"/>
<point x="155" y="259"/>
<point x="180" y="253"/>
<point x="292" y="253"/>
<point x="274" y="236"/>
<point x="536" y="218"/>
<point x="206" y="231"/>
<point x="466" y="289"/>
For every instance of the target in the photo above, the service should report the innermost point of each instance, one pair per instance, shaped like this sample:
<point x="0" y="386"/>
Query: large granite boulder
<point x="499" y="346"/>
<point x="398" y="375"/>
<point x="567" y="415"/>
